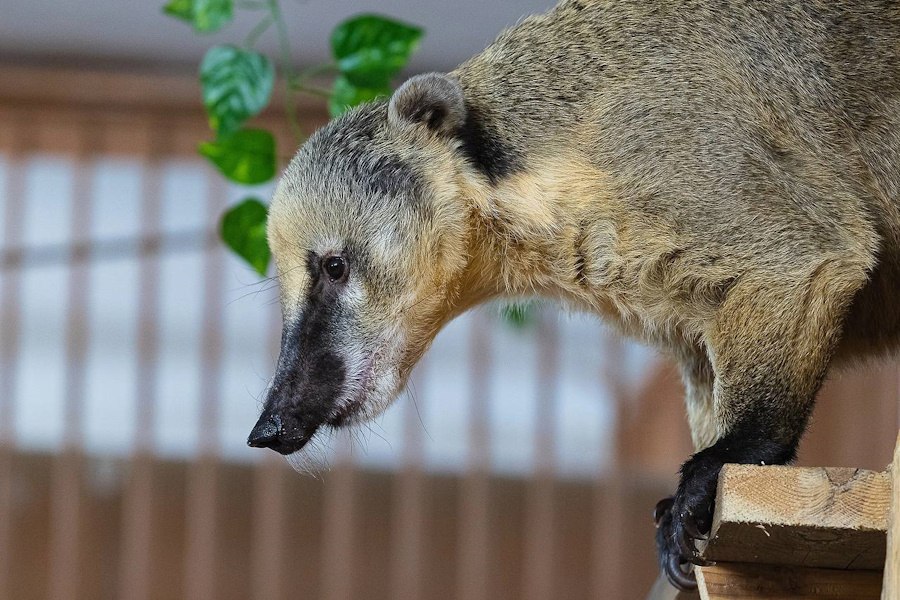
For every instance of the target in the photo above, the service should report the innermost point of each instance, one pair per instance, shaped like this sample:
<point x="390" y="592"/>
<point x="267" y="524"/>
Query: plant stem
<point x="257" y="31"/>
<point x="317" y="70"/>
<point x="284" y="46"/>
<point x="311" y="89"/>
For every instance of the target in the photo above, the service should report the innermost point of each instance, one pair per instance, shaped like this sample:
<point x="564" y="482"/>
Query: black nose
<point x="266" y="433"/>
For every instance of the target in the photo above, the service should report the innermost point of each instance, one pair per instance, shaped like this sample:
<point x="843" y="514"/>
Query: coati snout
<point x="310" y="385"/>
<point x="331" y="368"/>
<point x="369" y="257"/>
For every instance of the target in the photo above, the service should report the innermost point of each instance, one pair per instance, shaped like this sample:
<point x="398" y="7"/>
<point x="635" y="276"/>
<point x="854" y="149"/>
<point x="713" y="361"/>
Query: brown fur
<point x="718" y="178"/>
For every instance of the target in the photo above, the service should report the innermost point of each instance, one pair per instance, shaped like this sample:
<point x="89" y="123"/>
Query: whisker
<point x="411" y="393"/>
<point x="252" y="293"/>
<point x="375" y="433"/>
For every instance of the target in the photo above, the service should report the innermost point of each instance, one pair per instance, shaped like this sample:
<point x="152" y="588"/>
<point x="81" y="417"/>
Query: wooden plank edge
<point x="727" y="581"/>
<point x="891" y="583"/>
<point x="811" y="517"/>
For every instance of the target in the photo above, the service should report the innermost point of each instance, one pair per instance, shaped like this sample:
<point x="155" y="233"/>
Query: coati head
<point x="371" y="241"/>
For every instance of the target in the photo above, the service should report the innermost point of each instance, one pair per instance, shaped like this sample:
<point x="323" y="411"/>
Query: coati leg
<point x="699" y="380"/>
<point x="697" y="376"/>
<point x="769" y="348"/>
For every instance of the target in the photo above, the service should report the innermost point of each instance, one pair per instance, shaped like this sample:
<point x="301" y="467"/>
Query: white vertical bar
<point x="138" y="504"/>
<point x="607" y="530"/>
<point x="539" y="529"/>
<point x="474" y="537"/>
<point x="340" y="519"/>
<point x="270" y="538"/>
<point x="200" y="551"/>
<point x="408" y="500"/>
<point x="10" y="319"/>
<point x="67" y="465"/>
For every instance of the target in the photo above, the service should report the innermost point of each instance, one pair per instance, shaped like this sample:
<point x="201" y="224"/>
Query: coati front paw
<point x="684" y="518"/>
<point x="673" y="561"/>
<point x="687" y="516"/>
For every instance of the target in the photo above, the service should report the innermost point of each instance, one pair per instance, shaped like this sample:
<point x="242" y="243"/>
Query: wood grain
<point x="892" y="562"/>
<point x="813" y="517"/>
<point x="730" y="581"/>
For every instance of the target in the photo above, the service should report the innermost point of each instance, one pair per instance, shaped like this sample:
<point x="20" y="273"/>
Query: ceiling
<point x="136" y="32"/>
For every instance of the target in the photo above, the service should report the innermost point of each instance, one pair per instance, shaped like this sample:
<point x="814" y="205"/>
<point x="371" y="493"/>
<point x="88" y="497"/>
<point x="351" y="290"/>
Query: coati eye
<point x="335" y="267"/>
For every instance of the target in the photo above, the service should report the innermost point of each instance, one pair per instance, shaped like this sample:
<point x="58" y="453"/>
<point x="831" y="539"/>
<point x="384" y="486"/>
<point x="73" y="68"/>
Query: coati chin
<point x="718" y="178"/>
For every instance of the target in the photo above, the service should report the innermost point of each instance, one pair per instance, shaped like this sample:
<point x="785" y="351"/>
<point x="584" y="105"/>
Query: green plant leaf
<point x="346" y="95"/>
<point x="246" y="156"/>
<point x="237" y="84"/>
<point x="371" y="49"/>
<point x="520" y="315"/>
<point x="180" y="9"/>
<point x="206" y="16"/>
<point x="243" y="230"/>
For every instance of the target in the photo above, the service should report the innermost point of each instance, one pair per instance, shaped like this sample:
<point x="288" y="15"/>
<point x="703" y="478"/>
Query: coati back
<point x="718" y="178"/>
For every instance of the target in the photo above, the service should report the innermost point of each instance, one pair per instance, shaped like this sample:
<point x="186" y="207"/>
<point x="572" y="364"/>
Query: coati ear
<point x="432" y="100"/>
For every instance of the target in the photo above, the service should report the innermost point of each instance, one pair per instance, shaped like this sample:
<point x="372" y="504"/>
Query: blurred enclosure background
<point x="524" y="462"/>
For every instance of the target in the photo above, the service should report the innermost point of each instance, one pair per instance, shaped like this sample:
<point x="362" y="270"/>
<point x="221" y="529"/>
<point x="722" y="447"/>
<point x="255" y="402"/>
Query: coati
<point x="719" y="178"/>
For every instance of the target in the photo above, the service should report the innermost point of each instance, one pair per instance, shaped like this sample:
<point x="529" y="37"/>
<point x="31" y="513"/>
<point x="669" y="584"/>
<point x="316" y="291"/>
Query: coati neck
<point x="530" y="133"/>
<point x="528" y="229"/>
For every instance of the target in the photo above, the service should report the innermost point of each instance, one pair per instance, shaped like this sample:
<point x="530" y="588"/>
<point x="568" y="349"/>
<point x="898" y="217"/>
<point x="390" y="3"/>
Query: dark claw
<point x="691" y="528"/>
<point x="689" y="552"/>
<point x="662" y="507"/>
<point x="675" y="547"/>
<point x="684" y="581"/>
<point x="699" y="561"/>
<point x="685" y="544"/>
<point x="685" y="518"/>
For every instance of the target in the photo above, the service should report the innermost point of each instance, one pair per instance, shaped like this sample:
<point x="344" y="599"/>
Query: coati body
<point x="718" y="178"/>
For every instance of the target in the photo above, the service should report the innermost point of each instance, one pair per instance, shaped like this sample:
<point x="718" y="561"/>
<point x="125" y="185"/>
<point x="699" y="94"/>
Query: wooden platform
<point x="801" y="533"/>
